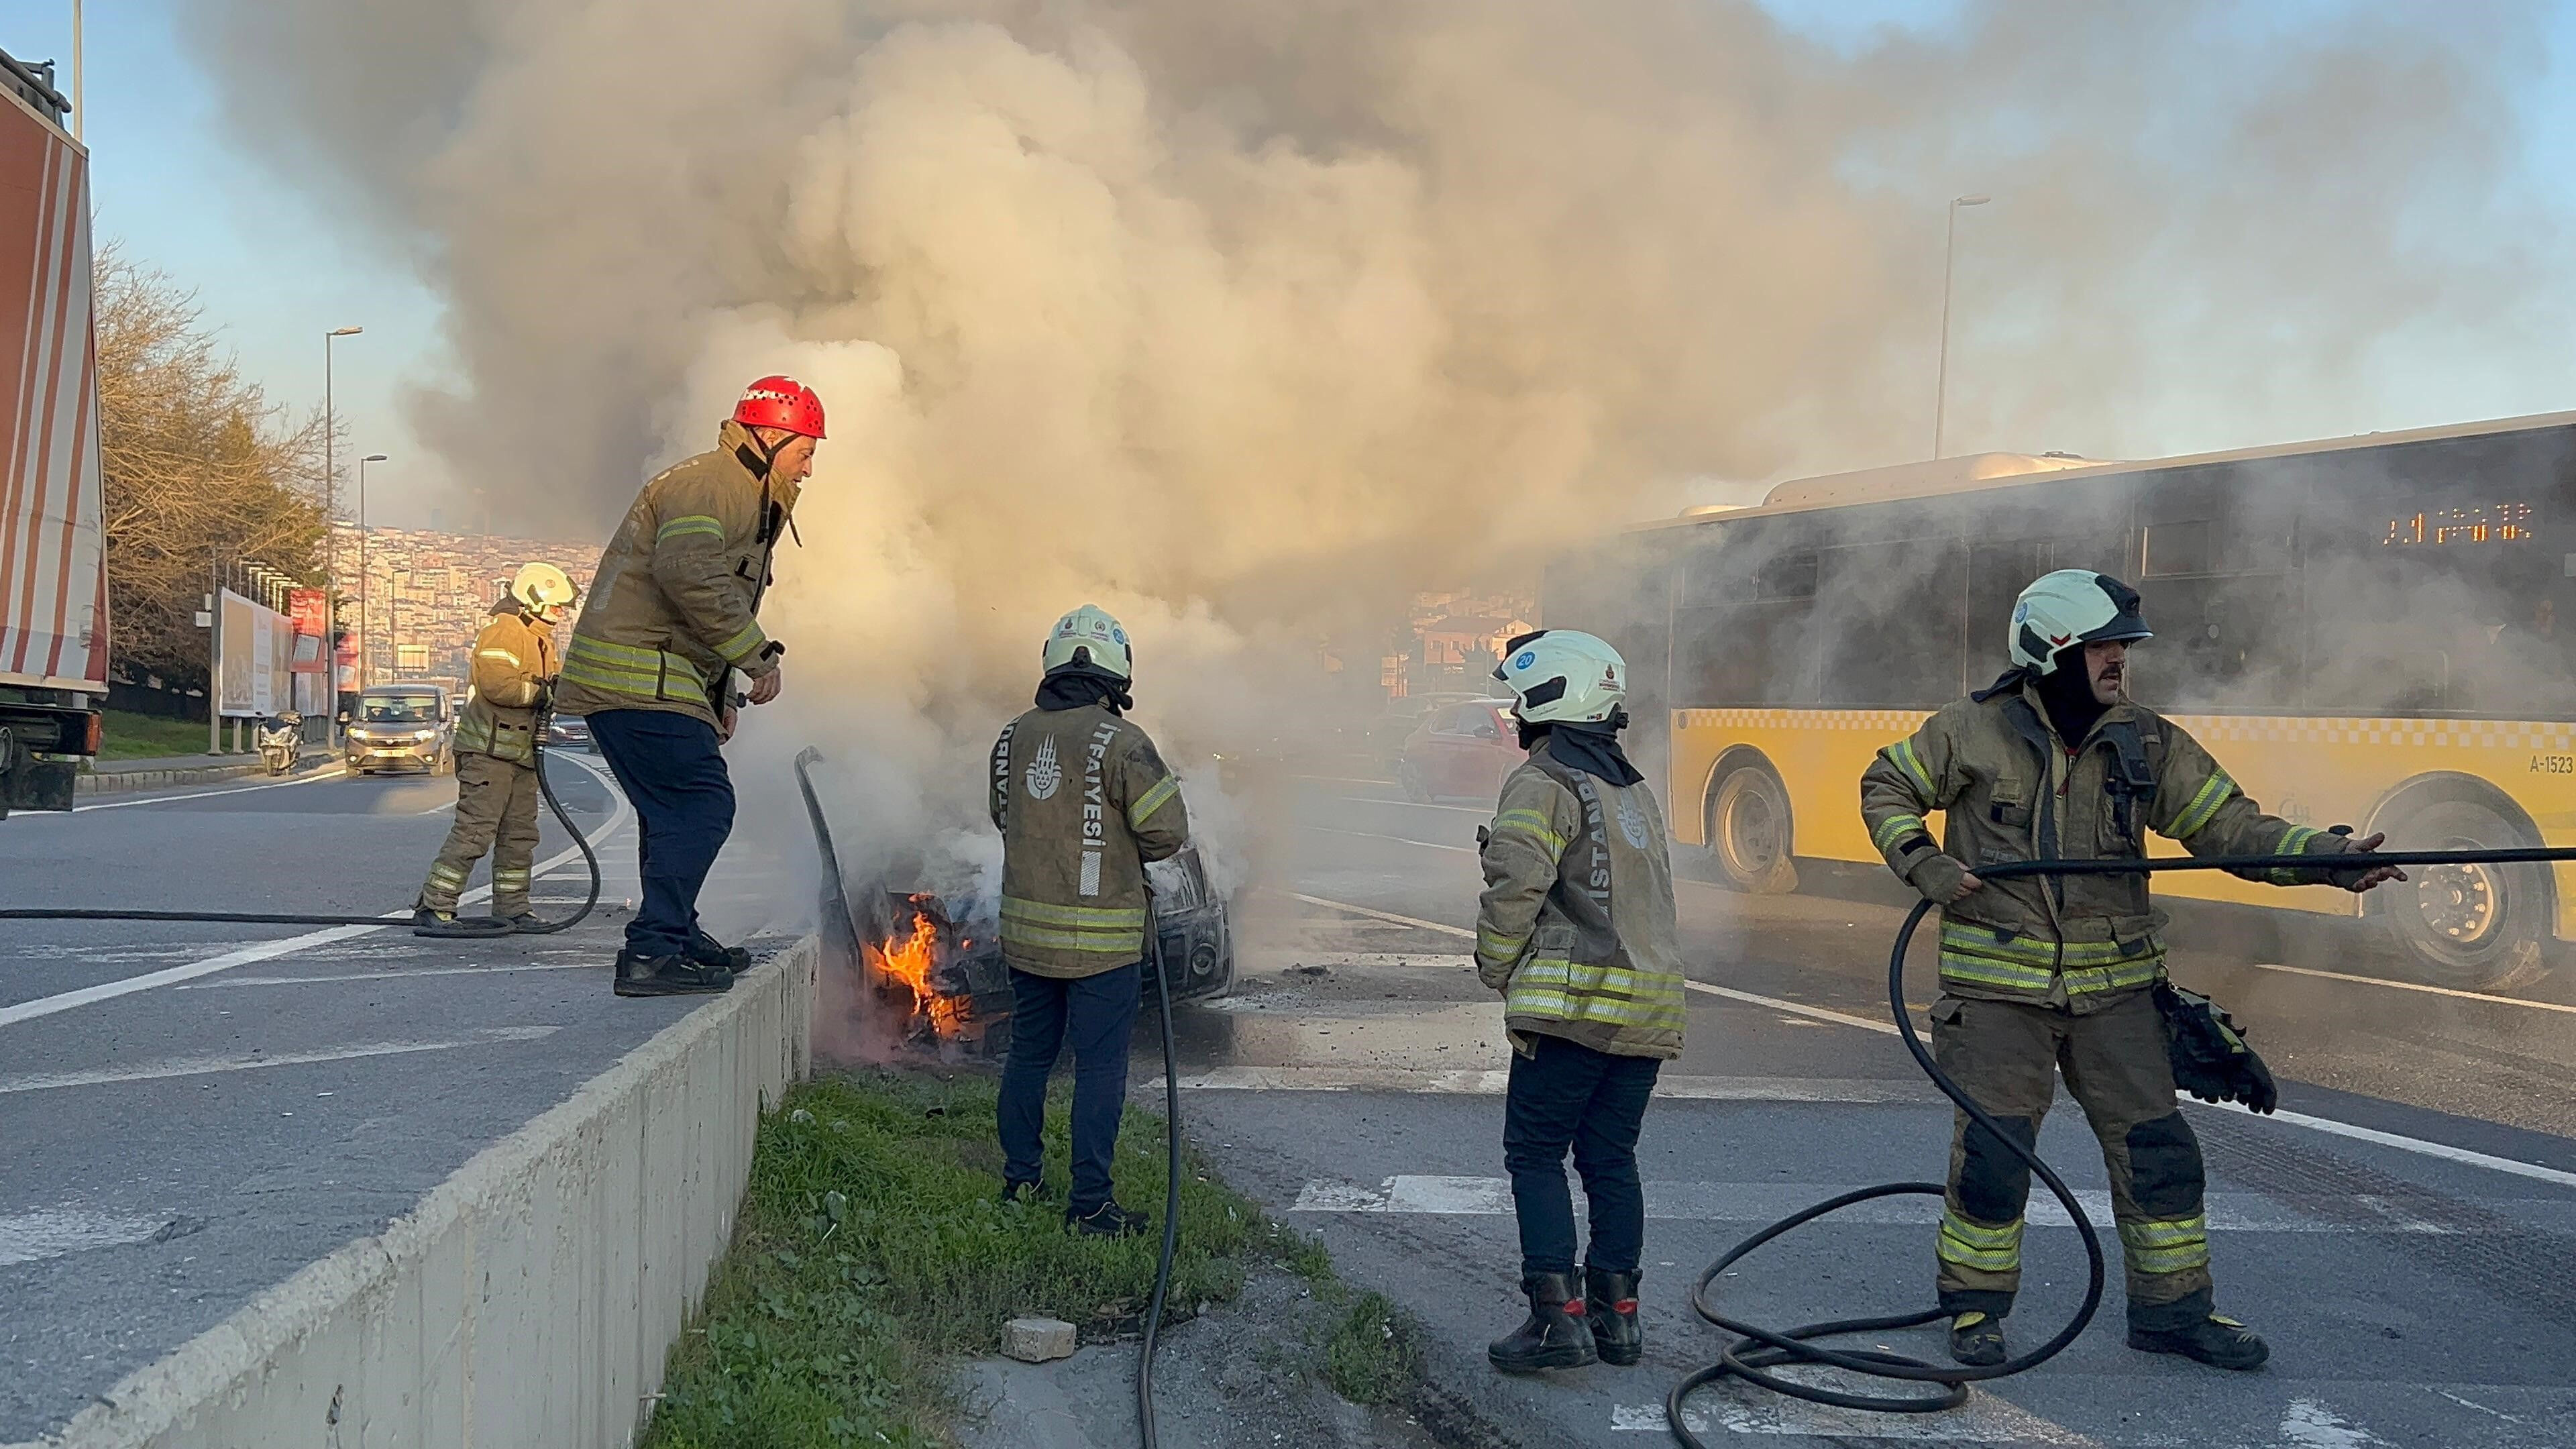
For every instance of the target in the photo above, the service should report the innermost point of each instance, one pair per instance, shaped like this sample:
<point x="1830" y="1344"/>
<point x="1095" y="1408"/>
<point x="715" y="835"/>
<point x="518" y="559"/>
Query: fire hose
<point x="537" y="761"/>
<point x="1757" y="1351"/>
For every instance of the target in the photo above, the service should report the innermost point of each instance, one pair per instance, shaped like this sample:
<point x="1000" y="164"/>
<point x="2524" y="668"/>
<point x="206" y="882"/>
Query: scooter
<point x="280" y="745"/>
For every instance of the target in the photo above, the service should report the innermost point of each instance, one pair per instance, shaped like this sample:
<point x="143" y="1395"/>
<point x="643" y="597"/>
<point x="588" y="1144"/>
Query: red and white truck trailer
<point x="53" y="550"/>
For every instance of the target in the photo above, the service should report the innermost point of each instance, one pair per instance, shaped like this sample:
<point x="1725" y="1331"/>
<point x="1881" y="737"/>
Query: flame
<point x="910" y="960"/>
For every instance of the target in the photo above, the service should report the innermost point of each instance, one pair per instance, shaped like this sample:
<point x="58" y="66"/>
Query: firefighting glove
<point x="2210" y="1058"/>
<point x="1937" y="877"/>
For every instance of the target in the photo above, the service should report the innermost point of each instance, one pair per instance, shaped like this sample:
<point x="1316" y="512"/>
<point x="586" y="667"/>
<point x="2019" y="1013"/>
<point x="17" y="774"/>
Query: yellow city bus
<point x="2376" y="631"/>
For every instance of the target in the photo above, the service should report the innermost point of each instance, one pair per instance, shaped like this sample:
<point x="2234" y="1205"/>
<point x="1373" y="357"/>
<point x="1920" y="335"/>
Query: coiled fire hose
<point x="537" y="758"/>
<point x="1757" y="1350"/>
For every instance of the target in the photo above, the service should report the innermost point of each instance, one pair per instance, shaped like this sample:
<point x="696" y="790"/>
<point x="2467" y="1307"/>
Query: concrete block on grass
<point x="1037" y="1340"/>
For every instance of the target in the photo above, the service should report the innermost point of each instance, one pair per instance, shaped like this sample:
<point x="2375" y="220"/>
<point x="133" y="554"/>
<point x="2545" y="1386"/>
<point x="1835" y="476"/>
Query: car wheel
<point x="1749" y="832"/>
<point x="2467" y="926"/>
<point x="1408" y="775"/>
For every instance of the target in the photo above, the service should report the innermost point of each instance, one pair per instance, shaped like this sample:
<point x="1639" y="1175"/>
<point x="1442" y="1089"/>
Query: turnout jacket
<point x="1083" y="801"/>
<point x="1576" y="927"/>
<point x="672" y="609"/>
<point x="514" y="659"/>
<point x="2010" y="789"/>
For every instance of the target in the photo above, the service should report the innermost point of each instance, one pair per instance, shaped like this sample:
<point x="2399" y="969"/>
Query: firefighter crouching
<point x="673" y="615"/>
<point x="1083" y="801"/>
<point x="2043" y="975"/>
<point x="1577" y="930"/>
<point x="496" y="760"/>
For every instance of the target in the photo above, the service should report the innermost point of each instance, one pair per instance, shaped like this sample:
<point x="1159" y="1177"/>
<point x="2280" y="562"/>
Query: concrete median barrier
<point x="530" y="1298"/>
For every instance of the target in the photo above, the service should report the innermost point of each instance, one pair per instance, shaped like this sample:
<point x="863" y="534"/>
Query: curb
<point x="532" y="1297"/>
<point x="111" y="782"/>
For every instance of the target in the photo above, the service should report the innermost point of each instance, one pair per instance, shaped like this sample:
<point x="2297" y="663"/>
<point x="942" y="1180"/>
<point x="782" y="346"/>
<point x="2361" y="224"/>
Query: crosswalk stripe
<point x="1751" y="1202"/>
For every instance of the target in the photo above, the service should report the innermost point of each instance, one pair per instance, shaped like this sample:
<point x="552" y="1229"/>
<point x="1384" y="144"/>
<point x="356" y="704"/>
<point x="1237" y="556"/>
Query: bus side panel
<point x="1819" y="754"/>
<point x="2324" y="772"/>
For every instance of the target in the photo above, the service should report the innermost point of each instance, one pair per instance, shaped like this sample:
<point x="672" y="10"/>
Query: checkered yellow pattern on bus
<point x="2209" y="729"/>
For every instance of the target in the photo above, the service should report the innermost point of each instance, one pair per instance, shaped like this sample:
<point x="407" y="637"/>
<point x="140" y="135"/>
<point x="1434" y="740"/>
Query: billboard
<point x="258" y="659"/>
<point x="305" y="606"/>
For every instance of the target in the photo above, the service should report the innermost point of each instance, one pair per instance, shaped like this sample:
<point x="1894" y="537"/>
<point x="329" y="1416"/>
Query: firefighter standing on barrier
<point x="2043" y="975"/>
<point x="673" y="615"/>
<point x="496" y="760"/>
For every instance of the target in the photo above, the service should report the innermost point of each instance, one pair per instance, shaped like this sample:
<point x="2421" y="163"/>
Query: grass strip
<point x="871" y="1251"/>
<point x="124" y="735"/>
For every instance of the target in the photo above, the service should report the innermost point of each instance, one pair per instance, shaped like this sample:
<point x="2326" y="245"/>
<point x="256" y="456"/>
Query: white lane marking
<point x="267" y="950"/>
<point x="333" y="773"/>
<point x="230" y="982"/>
<point x="1762" y="1202"/>
<point x="30" y="1237"/>
<point x="1485" y="810"/>
<point x="1378" y="915"/>
<point x="2311" y="1425"/>
<point x="1345" y="780"/>
<point x="208" y="1066"/>
<point x="2416" y="1145"/>
<point x="1492" y="1083"/>
<point x="1398" y="839"/>
<point x="2417" y="986"/>
<point x="1984" y="1419"/>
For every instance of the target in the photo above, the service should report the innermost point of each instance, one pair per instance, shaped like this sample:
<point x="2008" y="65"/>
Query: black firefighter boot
<point x="1611" y="1299"/>
<point x="1555" y="1335"/>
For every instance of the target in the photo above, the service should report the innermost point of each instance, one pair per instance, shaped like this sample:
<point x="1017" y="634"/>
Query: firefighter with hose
<point x="674" y="615"/>
<point x="1083" y="801"/>
<point x="2066" y="974"/>
<point x="496" y="760"/>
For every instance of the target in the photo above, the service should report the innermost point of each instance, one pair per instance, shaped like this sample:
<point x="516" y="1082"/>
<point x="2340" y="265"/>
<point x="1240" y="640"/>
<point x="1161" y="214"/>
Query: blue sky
<point x="274" y="271"/>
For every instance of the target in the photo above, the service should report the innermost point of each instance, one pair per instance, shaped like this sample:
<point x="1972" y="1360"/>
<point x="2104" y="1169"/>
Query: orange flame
<point x="910" y="959"/>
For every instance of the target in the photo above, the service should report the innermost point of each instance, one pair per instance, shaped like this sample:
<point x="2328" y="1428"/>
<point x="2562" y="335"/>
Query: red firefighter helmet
<point x="780" y="402"/>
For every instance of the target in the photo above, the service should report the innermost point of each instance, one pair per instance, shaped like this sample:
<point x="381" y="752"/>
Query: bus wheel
<point x="2468" y="926"/>
<point x="1748" y="832"/>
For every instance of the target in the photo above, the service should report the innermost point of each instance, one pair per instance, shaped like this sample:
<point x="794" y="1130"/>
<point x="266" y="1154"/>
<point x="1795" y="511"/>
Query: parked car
<point x="1392" y="731"/>
<point x="1461" y="752"/>
<point x="568" y="732"/>
<point x="402" y="727"/>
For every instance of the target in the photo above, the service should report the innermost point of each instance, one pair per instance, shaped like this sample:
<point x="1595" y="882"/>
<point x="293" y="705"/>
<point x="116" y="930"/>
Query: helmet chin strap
<point x="757" y="455"/>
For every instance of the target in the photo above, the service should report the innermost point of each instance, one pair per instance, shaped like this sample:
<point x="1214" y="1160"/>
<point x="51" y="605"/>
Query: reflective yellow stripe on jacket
<point x="1979" y="956"/>
<point x="1090" y="929"/>
<point x="1151" y="801"/>
<point x="628" y="669"/>
<point x="1560" y="990"/>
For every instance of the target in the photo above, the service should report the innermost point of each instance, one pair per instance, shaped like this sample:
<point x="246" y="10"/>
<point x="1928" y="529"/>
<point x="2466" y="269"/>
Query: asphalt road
<point x="191" y="1114"/>
<point x="2405" y="1233"/>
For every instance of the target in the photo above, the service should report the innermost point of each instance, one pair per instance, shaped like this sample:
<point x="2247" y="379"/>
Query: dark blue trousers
<point x="1095" y="1016"/>
<point x="674" y="775"/>
<point x="1568" y="1095"/>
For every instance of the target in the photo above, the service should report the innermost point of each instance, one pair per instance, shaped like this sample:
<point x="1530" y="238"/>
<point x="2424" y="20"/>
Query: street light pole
<point x="330" y="521"/>
<point x="1949" y="253"/>
<point x="366" y="639"/>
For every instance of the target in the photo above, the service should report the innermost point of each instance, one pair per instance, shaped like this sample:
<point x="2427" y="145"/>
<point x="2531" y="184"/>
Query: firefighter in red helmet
<point x="673" y="616"/>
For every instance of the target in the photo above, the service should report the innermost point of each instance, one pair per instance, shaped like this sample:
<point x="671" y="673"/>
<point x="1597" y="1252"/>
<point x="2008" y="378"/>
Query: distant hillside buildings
<point x="427" y="594"/>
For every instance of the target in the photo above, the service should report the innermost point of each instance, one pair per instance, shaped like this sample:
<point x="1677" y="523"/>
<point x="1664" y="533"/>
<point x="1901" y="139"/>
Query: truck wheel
<point x="1748" y="832"/>
<point x="2467" y="926"/>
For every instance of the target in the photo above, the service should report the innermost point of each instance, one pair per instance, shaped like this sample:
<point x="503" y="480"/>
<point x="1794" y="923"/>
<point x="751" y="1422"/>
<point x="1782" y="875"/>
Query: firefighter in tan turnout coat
<point x="496" y="760"/>
<point x="1577" y="929"/>
<point x="1083" y="801"/>
<point x="2049" y="975"/>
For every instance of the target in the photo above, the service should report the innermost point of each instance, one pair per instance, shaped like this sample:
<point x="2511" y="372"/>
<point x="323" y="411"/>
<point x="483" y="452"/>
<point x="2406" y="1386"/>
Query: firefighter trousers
<point x="496" y="810"/>
<point x="2008" y="1055"/>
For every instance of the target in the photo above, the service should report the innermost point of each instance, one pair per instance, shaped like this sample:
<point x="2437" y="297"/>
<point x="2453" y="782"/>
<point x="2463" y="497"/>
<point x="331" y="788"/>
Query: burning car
<point x="929" y="968"/>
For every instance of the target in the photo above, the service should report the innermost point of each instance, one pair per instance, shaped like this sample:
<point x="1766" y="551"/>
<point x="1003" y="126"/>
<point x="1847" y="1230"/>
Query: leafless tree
<point x="199" y="464"/>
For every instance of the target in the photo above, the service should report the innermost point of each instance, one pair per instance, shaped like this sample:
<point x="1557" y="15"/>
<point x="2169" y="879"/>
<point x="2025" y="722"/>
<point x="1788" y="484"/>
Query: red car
<point x="1461" y="752"/>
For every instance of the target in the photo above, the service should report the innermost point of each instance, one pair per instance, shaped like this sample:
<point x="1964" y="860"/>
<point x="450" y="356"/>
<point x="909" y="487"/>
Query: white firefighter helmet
<point x="1089" y="636"/>
<point x="543" y="588"/>
<point x="1563" y="676"/>
<point x="2068" y="607"/>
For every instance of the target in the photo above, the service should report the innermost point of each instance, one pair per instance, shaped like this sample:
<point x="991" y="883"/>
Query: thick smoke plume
<point x="1243" y="318"/>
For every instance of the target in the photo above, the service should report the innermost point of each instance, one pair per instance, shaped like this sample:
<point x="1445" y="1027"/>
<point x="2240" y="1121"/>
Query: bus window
<point x="1741" y="635"/>
<point x="1890" y="624"/>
